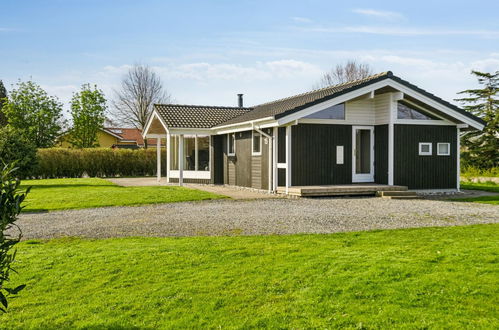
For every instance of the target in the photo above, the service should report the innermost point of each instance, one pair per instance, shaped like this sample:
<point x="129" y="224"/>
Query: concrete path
<point x="230" y="191"/>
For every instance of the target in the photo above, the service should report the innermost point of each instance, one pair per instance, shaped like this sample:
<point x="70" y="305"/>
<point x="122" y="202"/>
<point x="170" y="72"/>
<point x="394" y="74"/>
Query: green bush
<point x="14" y="147"/>
<point x="474" y="172"/>
<point x="95" y="162"/>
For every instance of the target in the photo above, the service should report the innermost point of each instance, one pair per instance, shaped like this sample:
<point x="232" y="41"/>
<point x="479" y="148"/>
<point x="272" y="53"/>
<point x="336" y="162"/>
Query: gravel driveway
<point x="254" y="217"/>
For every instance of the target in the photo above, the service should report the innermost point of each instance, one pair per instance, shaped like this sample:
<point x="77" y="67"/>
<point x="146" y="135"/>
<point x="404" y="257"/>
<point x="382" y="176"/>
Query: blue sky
<point x="208" y="51"/>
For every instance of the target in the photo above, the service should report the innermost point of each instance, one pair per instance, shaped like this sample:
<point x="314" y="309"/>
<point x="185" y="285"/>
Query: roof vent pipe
<point x="240" y="100"/>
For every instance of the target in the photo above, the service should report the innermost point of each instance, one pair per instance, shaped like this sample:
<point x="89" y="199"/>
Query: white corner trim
<point x="458" y="159"/>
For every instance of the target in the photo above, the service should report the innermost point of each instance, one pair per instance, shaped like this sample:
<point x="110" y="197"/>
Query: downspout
<point x="271" y="160"/>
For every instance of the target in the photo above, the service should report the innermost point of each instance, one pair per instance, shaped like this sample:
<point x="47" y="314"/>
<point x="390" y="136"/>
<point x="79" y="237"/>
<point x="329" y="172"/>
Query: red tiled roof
<point x="132" y="135"/>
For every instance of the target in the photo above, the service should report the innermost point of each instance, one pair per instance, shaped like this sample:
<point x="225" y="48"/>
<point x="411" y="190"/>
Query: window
<point x="425" y="149"/>
<point x="405" y="111"/>
<point x="231" y="144"/>
<point x="443" y="149"/>
<point x="196" y="153"/>
<point x="257" y="144"/>
<point x="334" y="112"/>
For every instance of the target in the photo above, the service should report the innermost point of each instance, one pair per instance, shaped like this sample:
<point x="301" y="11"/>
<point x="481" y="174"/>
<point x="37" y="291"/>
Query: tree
<point x="140" y="89"/>
<point x="36" y="114"/>
<point x="11" y="198"/>
<point x="15" y="147"/>
<point x="481" y="148"/>
<point x="88" y="109"/>
<point x="342" y="73"/>
<point x="3" y="99"/>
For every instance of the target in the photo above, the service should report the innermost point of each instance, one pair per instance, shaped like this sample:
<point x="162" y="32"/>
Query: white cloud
<point x="378" y="13"/>
<point x="402" y="31"/>
<point x="301" y="19"/>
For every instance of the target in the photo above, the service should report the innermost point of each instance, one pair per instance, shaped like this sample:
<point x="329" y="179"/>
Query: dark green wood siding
<point x="281" y="144"/>
<point x="314" y="154"/>
<point x="381" y="154"/>
<point x="424" y="172"/>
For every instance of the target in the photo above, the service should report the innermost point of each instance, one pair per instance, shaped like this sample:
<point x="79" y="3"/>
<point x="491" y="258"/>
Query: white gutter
<point x="271" y="160"/>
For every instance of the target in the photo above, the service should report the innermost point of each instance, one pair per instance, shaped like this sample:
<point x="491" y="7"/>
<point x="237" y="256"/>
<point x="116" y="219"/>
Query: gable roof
<point x="196" y="116"/>
<point x="287" y="105"/>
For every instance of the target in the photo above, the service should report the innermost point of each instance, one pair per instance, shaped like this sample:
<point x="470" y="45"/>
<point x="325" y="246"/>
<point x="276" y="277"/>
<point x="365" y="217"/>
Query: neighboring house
<point x="110" y="137"/>
<point x="381" y="129"/>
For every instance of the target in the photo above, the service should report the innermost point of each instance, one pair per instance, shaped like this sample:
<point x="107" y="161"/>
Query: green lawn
<point x="417" y="278"/>
<point x="59" y="194"/>
<point x="486" y="186"/>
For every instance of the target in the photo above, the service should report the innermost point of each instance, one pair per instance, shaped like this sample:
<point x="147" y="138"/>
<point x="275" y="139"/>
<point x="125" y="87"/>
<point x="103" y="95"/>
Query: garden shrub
<point x="96" y="162"/>
<point x="14" y="147"/>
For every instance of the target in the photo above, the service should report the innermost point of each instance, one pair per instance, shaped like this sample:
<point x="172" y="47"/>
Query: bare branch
<point x="140" y="89"/>
<point x="343" y="73"/>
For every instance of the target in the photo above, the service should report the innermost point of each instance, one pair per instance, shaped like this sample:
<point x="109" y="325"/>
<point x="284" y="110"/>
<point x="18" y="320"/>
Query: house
<point x="378" y="130"/>
<point x="111" y="137"/>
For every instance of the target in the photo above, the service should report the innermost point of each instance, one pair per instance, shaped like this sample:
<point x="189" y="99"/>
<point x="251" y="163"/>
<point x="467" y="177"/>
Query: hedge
<point x="95" y="162"/>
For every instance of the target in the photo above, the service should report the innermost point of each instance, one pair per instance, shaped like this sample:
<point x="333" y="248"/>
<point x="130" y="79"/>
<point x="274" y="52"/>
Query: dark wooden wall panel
<point x="424" y="172"/>
<point x="217" y="155"/>
<point x="381" y="154"/>
<point x="314" y="154"/>
<point x="281" y="144"/>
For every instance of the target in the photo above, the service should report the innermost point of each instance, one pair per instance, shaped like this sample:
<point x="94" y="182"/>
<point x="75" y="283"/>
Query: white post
<point x="181" y="160"/>
<point x="393" y="107"/>
<point x="158" y="159"/>
<point x="168" y="157"/>
<point x="195" y="152"/>
<point x="288" y="158"/>
<point x="274" y="159"/>
<point x="458" y="157"/>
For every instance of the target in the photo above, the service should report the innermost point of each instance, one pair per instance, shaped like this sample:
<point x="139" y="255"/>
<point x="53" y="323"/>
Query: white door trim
<point x="368" y="177"/>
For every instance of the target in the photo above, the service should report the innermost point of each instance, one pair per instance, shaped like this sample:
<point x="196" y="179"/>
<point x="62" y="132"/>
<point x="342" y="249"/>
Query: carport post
<point x="158" y="159"/>
<point x="181" y="160"/>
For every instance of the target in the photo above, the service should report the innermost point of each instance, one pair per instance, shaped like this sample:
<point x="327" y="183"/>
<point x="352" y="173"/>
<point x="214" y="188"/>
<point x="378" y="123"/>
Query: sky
<point x="208" y="51"/>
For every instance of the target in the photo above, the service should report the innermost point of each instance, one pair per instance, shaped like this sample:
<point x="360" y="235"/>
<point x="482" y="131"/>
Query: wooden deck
<point x="339" y="190"/>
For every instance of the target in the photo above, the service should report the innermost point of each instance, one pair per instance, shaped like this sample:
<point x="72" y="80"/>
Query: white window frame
<point x="228" y="144"/>
<point x="425" y="153"/>
<point x="253" y="153"/>
<point x="448" y="149"/>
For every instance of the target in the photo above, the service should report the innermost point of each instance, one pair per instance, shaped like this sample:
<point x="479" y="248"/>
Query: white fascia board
<point x="153" y="136"/>
<point x="424" y="122"/>
<point x="434" y="104"/>
<point x="250" y="122"/>
<point x="247" y="126"/>
<point x="190" y="131"/>
<point x="329" y="103"/>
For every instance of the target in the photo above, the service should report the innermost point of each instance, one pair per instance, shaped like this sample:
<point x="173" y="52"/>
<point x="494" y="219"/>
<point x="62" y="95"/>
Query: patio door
<point x="362" y="154"/>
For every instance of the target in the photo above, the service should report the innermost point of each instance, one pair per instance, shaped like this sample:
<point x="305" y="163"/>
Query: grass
<point x="60" y="194"/>
<point x="415" y="278"/>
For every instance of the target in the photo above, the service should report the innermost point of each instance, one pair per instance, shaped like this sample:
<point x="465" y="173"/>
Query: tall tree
<point x="140" y="89"/>
<point x="31" y="110"/>
<point x="3" y="96"/>
<point x="342" y="73"/>
<point x="481" y="148"/>
<point x="88" y="108"/>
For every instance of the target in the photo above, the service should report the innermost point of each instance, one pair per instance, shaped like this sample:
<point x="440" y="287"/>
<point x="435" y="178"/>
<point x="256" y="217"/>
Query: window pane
<point x="189" y="152"/>
<point x="256" y="142"/>
<point x="425" y="148"/>
<point x="443" y="148"/>
<point x="232" y="142"/>
<point x="334" y="112"/>
<point x="407" y="112"/>
<point x="174" y="152"/>
<point x="203" y="153"/>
